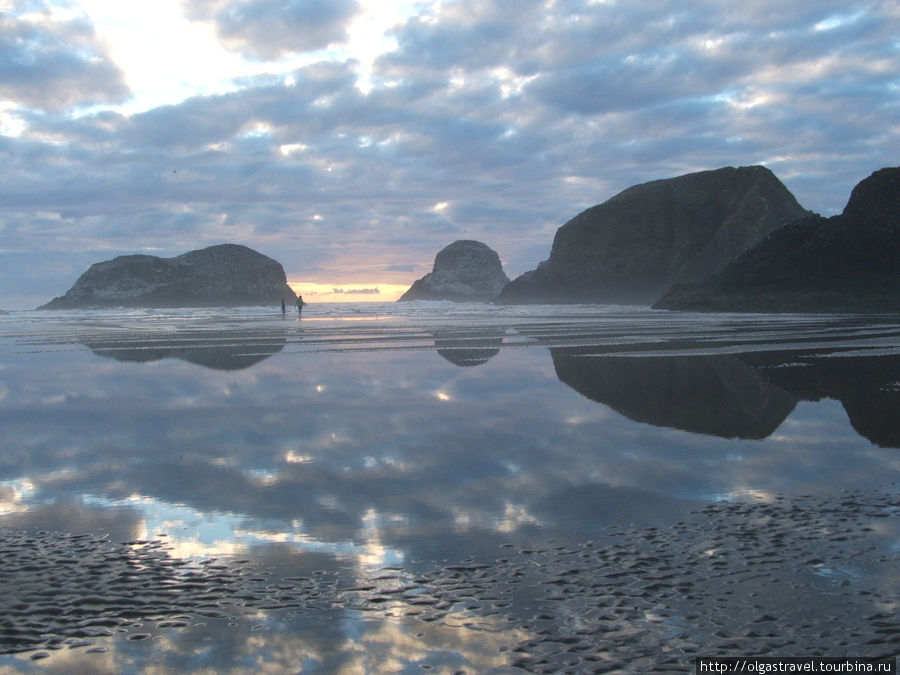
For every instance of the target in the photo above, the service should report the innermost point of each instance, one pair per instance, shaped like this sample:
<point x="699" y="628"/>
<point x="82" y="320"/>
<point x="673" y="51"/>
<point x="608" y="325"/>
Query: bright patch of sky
<point x="166" y="57"/>
<point x="324" y="292"/>
<point x="838" y="20"/>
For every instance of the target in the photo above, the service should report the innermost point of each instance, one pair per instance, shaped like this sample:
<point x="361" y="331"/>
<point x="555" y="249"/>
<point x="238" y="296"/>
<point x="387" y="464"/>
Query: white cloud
<point x="270" y="29"/>
<point x="52" y="59"/>
<point x="517" y="115"/>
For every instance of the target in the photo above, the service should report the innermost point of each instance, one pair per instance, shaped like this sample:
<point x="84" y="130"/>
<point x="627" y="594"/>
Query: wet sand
<point x="387" y="465"/>
<point x="785" y="577"/>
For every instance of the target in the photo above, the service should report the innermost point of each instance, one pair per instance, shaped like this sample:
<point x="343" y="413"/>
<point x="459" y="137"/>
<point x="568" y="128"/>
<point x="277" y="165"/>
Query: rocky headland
<point x="226" y="275"/>
<point x="633" y="247"/>
<point x="464" y="271"/>
<point x="846" y="263"/>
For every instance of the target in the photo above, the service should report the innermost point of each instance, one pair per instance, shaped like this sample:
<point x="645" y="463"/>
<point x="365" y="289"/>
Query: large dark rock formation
<point x="633" y="247"/>
<point x="847" y="263"/>
<point x="226" y="275"/>
<point x="463" y="271"/>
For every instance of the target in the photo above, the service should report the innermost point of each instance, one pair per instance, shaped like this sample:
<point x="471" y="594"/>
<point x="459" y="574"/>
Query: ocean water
<point x="422" y="486"/>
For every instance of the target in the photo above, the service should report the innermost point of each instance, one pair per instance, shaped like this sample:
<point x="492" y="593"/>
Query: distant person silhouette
<point x="300" y="304"/>
<point x="283" y="308"/>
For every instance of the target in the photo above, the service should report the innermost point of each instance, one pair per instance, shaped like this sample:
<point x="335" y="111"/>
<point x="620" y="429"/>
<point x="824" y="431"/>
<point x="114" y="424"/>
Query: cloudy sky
<point x="353" y="139"/>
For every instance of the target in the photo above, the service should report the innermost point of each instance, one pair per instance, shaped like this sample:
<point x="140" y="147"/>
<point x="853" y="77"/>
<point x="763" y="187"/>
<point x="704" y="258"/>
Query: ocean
<point x="429" y="486"/>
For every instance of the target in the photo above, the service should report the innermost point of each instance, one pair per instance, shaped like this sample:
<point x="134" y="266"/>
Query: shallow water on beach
<point x="458" y="488"/>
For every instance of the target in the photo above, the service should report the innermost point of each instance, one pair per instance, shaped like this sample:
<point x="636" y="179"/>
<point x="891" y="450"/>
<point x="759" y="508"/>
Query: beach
<point x="383" y="487"/>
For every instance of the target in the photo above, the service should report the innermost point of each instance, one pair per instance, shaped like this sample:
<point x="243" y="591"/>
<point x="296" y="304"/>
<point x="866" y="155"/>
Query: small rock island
<point x="464" y="271"/>
<point x="226" y="275"/>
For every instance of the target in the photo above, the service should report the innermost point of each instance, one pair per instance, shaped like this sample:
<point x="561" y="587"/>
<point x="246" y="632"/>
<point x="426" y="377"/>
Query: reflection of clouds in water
<point x="512" y="518"/>
<point x="193" y="534"/>
<point x="324" y="465"/>
<point x="305" y="447"/>
<point x="375" y="552"/>
<point x="331" y="642"/>
<point x="608" y="602"/>
<point x="14" y="495"/>
<point x="276" y="450"/>
<point x="392" y="644"/>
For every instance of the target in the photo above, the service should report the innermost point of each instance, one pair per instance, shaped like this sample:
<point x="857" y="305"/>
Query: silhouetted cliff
<point x="633" y="247"/>
<point x="847" y="263"/>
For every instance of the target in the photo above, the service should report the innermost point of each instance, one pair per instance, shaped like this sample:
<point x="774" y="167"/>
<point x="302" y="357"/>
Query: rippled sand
<point x="787" y="577"/>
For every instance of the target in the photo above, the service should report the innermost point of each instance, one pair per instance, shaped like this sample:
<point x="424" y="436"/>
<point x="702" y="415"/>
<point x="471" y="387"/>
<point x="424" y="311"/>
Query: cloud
<point x="51" y="61"/>
<point x="270" y="29"/>
<point x="517" y="115"/>
<point x="357" y="291"/>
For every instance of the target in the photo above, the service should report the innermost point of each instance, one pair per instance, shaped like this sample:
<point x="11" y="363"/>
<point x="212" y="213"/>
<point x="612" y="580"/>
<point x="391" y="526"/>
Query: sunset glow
<point x="361" y="292"/>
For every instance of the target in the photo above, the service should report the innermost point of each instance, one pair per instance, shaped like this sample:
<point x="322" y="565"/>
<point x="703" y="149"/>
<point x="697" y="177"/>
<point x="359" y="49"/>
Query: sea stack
<point x="846" y="263"/>
<point x="227" y="275"/>
<point x="464" y="271"/>
<point x="633" y="247"/>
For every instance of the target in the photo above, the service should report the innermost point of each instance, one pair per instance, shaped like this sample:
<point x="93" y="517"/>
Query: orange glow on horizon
<point x="362" y="292"/>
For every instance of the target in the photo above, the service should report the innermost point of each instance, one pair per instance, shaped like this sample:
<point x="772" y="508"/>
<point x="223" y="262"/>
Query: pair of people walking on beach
<point x="299" y="304"/>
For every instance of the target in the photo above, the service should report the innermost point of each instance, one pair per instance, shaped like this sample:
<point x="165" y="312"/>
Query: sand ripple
<point x="786" y="577"/>
<point x="790" y="577"/>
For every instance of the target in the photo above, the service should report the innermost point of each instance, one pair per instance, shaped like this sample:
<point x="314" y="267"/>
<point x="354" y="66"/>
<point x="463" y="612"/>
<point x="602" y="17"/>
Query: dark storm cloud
<point x="54" y="64"/>
<point x="274" y="28"/>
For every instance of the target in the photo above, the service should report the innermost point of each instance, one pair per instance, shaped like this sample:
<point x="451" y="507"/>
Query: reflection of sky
<point x="351" y="460"/>
<point x="310" y="445"/>
<point x="194" y="534"/>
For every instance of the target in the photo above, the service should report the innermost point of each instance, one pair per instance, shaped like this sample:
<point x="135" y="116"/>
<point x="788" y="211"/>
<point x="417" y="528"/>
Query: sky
<point x="352" y="140"/>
